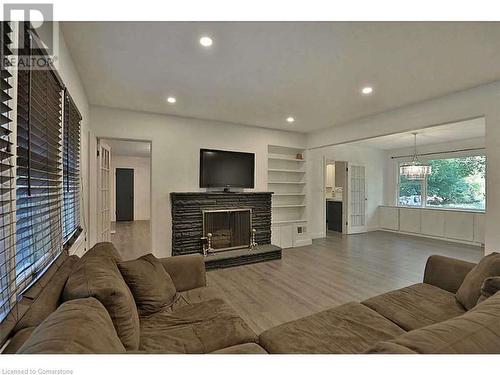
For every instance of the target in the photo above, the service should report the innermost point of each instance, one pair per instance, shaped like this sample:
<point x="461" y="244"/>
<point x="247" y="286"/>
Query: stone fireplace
<point x="228" y="229"/>
<point x="230" y="218"/>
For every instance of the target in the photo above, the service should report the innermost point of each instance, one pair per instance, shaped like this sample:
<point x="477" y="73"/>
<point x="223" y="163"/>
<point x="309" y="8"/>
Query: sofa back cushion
<point x="469" y="292"/>
<point x="81" y="326"/>
<point x="103" y="249"/>
<point x="150" y="284"/>
<point x="45" y="295"/>
<point x="475" y="332"/>
<point x="39" y="300"/>
<point x="99" y="277"/>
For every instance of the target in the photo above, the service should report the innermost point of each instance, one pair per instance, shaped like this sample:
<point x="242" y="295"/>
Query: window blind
<point x="7" y="274"/>
<point x="39" y="168"/>
<point x="71" y="170"/>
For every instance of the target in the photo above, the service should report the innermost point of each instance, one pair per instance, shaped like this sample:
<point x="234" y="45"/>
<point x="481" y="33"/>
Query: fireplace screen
<point x="229" y="229"/>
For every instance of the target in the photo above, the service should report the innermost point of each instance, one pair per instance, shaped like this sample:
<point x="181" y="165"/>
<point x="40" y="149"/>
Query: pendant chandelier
<point x="415" y="170"/>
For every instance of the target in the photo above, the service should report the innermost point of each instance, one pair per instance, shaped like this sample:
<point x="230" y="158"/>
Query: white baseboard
<point x="318" y="235"/>
<point x="478" y="244"/>
<point x="304" y="242"/>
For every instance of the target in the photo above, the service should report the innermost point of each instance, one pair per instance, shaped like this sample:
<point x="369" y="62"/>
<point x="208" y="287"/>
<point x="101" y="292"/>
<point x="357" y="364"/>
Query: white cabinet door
<point x="276" y="235"/>
<point x="432" y="223"/>
<point x="409" y="220"/>
<point x="286" y="235"/>
<point x="330" y="176"/>
<point x="479" y="228"/>
<point x="459" y="225"/>
<point x="389" y="218"/>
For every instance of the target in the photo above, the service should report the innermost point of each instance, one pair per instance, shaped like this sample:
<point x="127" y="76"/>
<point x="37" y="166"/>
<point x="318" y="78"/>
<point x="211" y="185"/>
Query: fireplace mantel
<point x="187" y="216"/>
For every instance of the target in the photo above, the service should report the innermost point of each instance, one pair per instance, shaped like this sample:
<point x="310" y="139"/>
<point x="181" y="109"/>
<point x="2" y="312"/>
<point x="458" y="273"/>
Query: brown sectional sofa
<point x="421" y="318"/>
<point x="97" y="313"/>
<point x="84" y="306"/>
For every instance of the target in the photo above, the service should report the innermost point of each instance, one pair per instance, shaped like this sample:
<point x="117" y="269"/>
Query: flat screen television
<point x="226" y="169"/>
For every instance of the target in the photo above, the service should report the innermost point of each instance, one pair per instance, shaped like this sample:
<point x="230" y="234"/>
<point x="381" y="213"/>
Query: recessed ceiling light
<point x="171" y="100"/>
<point x="206" y="41"/>
<point x="367" y="90"/>
<point x="290" y="119"/>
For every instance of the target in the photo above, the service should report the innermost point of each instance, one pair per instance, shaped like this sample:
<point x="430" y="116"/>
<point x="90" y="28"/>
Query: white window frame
<point x="424" y="186"/>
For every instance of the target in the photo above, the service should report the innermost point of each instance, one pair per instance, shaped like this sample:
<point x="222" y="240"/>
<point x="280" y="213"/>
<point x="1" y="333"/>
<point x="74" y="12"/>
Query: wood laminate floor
<point x="331" y="271"/>
<point x="131" y="238"/>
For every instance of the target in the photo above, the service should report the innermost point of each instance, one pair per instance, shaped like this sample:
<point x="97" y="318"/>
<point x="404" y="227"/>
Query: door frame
<point x="150" y="141"/>
<point x="344" y="194"/>
<point x="133" y="192"/>
<point x="349" y="228"/>
<point x="104" y="232"/>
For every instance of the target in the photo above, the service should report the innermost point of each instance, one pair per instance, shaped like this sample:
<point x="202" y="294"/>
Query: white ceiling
<point x="129" y="148"/>
<point x="258" y="73"/>
<point x="463" y="130"/>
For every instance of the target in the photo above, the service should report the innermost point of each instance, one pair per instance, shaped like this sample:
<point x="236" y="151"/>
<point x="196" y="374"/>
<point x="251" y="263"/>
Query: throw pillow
<point x="491" y="285"/>
<point x="469" y="292"/>
<point x="150" y="284"/>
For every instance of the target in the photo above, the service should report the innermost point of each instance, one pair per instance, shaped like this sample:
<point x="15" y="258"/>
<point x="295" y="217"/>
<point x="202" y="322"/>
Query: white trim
<point x="79" y="247"/>
<point x="472" y="243"/>
<point x="424" y="185"/>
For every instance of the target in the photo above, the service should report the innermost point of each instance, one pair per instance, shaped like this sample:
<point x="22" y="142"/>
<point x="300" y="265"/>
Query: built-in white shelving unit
<point x="287" y="179"/>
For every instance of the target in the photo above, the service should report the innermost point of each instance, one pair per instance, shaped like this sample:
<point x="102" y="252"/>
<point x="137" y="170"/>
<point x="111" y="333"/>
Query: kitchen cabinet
<point x="330" y="176"/>
<point x="334" y="215"/>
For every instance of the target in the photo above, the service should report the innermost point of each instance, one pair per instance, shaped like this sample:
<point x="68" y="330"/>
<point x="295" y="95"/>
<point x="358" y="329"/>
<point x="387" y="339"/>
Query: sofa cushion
<point x="16" y="341"/>
<point x="99" y="277"/>
<point x="416" y="306"/>
<point x="491" y="285"/>
<point x="198" y="328"/>
<point x="470" y="290"/>
<point x="249" y="348"/>
<point x="197" y="295"/>
<point x="349" y="328"/>
<point x="77" y="327"/>
<point x="103" y="249"/>
<point x="150" y="284"/>
<point x="44" y="296"/>
<point x="475" y="332"/>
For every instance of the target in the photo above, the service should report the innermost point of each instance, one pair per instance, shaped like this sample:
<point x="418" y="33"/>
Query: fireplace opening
<point x="228" y="229"/>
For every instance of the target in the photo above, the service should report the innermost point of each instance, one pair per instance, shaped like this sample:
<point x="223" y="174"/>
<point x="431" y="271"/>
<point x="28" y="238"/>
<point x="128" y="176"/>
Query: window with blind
<point x="71" y="171"/>
<point x="39" y="177"/>
<point x="7" y="245"/>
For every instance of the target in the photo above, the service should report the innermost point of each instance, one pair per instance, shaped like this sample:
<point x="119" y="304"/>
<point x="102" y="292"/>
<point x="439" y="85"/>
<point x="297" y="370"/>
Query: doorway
<point x="334" y="188"/>
<point x="345" y="197"/>
<point x="124" y="194"/>
<point x="127" y="183"/>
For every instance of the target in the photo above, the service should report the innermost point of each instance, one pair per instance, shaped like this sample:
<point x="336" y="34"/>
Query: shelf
<point x="286" y="183"/>
<point x="285" y="170"/>
<point x="289" y="221"/>
<point x="288" y="158"/>
<point x="289" y="195"/>
<point x="288" y="205"/>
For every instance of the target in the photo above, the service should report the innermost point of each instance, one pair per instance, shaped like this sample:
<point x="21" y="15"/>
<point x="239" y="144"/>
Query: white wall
<point x="142" y="185"/>
<point x="477" y="102"/>
<point x="175" y="154"/>
<point x="371" y="158"/>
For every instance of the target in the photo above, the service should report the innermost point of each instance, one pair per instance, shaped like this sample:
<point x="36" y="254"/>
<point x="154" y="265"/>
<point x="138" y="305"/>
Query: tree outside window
<point x="458" y="183"/>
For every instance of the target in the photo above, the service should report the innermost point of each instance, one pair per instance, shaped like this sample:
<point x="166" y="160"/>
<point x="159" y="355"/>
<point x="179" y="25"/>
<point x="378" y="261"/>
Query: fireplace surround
<point x="189" y="234"/>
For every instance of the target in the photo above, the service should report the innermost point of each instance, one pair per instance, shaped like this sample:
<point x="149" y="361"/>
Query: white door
<point x="104" y="216"/>
<point x="356" y="198"/>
